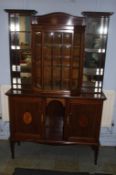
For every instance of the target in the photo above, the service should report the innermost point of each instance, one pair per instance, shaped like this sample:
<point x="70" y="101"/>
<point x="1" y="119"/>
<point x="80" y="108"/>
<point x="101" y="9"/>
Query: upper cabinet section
<point x="20" y="48"/>
<point x="96" y="35"/>
<point x="57" y="49"/>
<point x="57" y="53"/>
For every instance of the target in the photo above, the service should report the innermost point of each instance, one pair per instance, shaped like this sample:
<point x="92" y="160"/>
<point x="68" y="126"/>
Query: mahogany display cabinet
<point x="51" y="66"/>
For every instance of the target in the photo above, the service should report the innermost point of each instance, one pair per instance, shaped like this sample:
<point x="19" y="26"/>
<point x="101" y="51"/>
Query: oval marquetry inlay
<point x="27" y="118"/>
<point x="83" y="121"/>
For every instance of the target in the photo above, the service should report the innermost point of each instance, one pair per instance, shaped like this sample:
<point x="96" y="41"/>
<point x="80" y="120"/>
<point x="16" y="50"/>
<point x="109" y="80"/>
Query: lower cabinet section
<point x="55" y="120"/>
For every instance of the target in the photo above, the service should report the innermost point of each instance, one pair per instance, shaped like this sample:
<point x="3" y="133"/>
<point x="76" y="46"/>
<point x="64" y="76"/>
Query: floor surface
<point x="74" y="158"/>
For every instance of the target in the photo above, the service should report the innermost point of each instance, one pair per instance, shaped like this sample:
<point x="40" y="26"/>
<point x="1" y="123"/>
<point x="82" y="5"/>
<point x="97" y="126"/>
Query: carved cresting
<point x="27" y="118"/>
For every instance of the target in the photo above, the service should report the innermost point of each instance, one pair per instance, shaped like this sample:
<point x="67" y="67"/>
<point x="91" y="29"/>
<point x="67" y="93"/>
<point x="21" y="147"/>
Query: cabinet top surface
<point x="96" y="14"/>
<point x="32" y="93"/>
<point x="22" y="11"/>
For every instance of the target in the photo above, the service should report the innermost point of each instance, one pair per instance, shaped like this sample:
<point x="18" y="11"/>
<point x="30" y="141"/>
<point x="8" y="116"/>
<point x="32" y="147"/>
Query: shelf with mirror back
<point x="20" y="48"/>
<point x="96" y="35"/>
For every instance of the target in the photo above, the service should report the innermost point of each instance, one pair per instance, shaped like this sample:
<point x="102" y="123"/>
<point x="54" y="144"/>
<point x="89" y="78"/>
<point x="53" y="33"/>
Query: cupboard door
<point x="83" y="121"/>
<point x="26" y="118"/>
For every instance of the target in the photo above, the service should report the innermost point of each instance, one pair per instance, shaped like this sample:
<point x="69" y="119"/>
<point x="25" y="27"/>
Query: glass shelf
<point x="20" y="40"/>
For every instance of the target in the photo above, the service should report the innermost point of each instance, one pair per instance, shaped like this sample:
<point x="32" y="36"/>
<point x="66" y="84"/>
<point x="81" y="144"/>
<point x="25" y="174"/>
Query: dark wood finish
<point x="26" y="114"/>
<point x="55" y="120"/>
<point x="83" y="120"/>
<point x="21" y="11"/>
<point x="59" y="18"/>
<point x="97" y="14"/>
<point x="52" y="111"/>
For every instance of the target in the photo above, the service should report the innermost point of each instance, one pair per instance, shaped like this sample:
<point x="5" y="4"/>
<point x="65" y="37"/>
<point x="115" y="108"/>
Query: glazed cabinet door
<point x="57" y="53"/>
<point x="83" y="121"/>
<point x="25" y="118"/>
